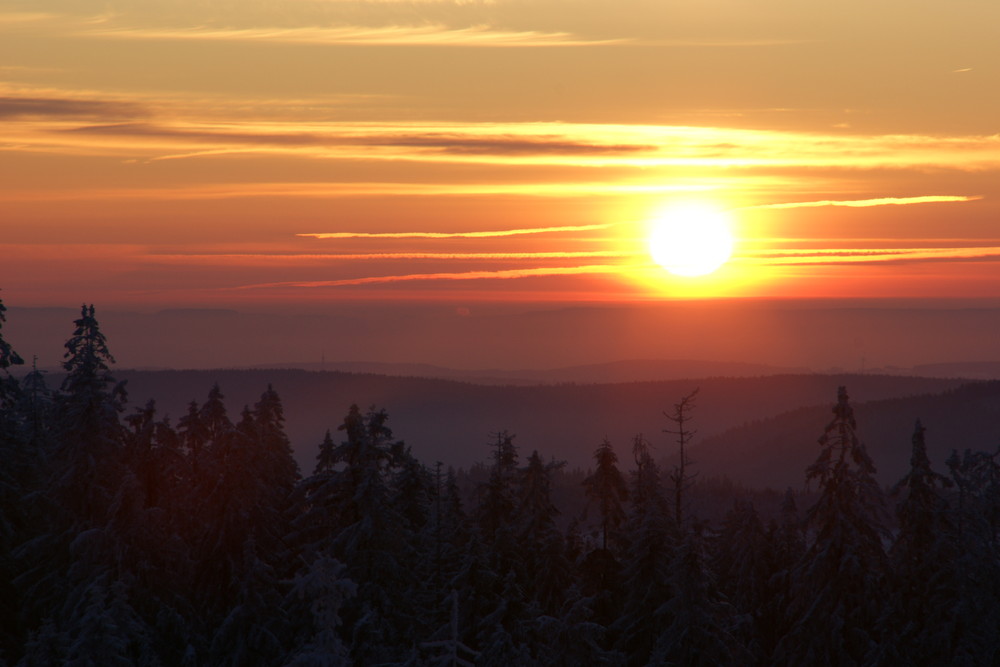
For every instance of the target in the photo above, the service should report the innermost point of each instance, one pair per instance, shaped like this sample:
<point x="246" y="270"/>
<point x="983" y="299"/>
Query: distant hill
<point x="776" y="451"/>
<point x="633" y="370"/>
<point x="453" y="421"/>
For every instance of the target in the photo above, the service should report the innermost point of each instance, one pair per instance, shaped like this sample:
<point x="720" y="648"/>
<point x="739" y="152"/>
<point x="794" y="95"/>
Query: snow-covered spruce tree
<point x="606" y="488"/>
<point x="257" y="474"/>
<point x="787" y="538"/>
<point x="206" y="433"/>
<point x="547" y="572"/>
<point x="8" y="386"/>
<point x="479" y="589"/>
<point x="837" y="586"/>
<point x="88" y="487"/>
<point x="573" y="637"/>
<point x="37" y="412"/>
<point x="317" y="500"/>
<point x="242" y="492"/>
<point x="148" y="524"/>
<point x="15" y="463"/>
<point x="318" y="592"/>
<point x="372" y="538"/>
<point x="494" y="514"/>
<point x="448" y="530"/>
<point x="89" y="457"/>
<point x="976" y="614"/>
<point x="499" y="525"/>
<point x="600" y="569"/>
<point x="651" y="536"/>
<point x="699" y="630"/>
<point x="445" y="648"/>
<point x="251" y="632"/>
<point x="413" y="493"/>
<point x="744" y="564"/>
<point x="106" y="574"/>
<point x="918" y="625"/>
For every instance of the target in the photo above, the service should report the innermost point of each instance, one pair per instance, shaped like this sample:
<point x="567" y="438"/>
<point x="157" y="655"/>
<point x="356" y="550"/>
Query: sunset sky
<point x="209" y="153"/>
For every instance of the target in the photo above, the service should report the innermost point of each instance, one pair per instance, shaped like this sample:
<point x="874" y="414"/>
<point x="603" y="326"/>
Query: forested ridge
<point x="127" y="538"/>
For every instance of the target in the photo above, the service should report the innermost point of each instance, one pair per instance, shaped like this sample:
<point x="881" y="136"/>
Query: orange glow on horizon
<point x="217" y="155"/>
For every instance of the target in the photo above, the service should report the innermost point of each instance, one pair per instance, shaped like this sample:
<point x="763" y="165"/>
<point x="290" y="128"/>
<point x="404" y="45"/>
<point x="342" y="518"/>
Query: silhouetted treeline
<point x="131" y="539"/>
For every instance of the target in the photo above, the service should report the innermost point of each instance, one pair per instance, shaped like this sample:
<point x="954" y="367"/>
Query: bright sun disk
<point x="691" y="240"/>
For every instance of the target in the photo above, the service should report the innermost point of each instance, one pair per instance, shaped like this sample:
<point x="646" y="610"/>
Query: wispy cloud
<point x="506" y="274"/>
<point x="574" y="145"/>
<point x="423" y="35"/>
<point x="252" y="190"/>
<point x="429" y="137"/>
<point x="293" y="258"/>
<point x="828" y="256"/>
<point x="26" y="107"/>
<point x="864" y="203"/>
<point x="454" y="235"/>
<point x="13" y="18"/>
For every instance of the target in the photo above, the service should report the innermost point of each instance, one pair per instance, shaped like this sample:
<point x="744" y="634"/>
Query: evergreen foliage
<point x="835" y="601"/>
<point x="125" y="540"/>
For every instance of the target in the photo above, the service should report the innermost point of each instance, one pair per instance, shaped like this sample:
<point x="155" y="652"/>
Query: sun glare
<point x="691" y="240"/>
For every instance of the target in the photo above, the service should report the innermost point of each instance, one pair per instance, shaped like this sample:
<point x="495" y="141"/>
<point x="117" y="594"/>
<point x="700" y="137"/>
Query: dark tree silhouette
<point x="836" y="601"/>
<point x="682" y="479"/>
<point x="606" y="488"/>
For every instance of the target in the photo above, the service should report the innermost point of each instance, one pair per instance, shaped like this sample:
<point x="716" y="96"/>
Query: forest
<point x="127" y="539"/>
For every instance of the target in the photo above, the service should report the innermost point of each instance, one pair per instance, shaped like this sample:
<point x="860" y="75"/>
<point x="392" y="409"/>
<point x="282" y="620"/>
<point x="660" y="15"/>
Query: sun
<point x="691" y="240"/>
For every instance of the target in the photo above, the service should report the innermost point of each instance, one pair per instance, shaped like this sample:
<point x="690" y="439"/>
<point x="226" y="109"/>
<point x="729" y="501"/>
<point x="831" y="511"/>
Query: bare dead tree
<point x="682" y="479"/>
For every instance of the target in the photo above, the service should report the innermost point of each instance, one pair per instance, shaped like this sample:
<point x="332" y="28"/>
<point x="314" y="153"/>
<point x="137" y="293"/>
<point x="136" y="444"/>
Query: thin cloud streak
<point x="573" y="145"/>
<point x="331" y="190"/>
<point x="455" y="235"/>
<point x="297" y="257"/>
<point x="830" y="256"/>
<point x="506" y="274"/>
<point x="864" y="203"/>
<point x="431" y="35"/>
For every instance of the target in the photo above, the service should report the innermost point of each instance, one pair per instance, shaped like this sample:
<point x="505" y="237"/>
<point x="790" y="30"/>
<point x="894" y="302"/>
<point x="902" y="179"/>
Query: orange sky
<point x="195" y="152"/>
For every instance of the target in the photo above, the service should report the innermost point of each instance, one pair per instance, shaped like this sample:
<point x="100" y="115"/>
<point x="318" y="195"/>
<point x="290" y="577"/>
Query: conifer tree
<point x="918" y="625"/>
<point x="976" y="613"/>
<point x="251" y="631"/>
<point x="8" y="385"/>
<point x="87" y="488"/>
<point x="15" y="463"/>
<point x="545" y="566"/>
<point x="497" y="498"/>
<point x="89" y="458"/>
<point x="372" y="538"/>
<point x="495" y="513"/>
<point x="606" y="487"/>
<point x="646" y="576"/>
<point x="745" y="565"/>
<point x="318" y="592"/>
<point x="36" y="408"/>
<point x="836" y="586"/>
<point x="700" y="621"/>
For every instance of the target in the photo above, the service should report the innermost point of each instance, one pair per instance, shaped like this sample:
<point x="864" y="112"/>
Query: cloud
<point x="291" y="260"/>
<point x="864" y="203"/>
<point x="832" y="256"/>
<point x="189" y="134"/>
<point x="506" y="274"/>
<point x="254" y="190"/>
<point x="426" y="35"/>
<point x="449" y="141"/>
<point x="26" y="107"/>
<point x="12" y="18"/>
<point x="454" y="235"/>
